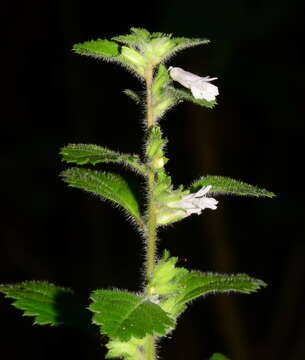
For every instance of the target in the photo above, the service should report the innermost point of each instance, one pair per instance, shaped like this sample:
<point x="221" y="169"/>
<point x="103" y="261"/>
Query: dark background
<point x="255" y="134"/>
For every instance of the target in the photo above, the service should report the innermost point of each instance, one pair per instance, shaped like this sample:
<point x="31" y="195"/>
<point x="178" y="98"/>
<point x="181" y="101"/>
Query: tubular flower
<point x="195" y="203"/>
<point x="201" y="87"/>
<point x="189" y="204"/>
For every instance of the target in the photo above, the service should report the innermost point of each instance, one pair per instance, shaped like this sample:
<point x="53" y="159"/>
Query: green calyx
<point x="167" y="211"/>
<point x="163" y="98"/>
<point x="163" y="192"/>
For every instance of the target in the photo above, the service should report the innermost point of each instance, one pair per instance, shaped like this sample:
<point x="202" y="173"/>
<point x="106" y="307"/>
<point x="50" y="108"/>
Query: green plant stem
<point x="149" y="108"/>
<point x="151" y="232"/>
<point x="151" y="235"/>
<point x="150" y="348"/>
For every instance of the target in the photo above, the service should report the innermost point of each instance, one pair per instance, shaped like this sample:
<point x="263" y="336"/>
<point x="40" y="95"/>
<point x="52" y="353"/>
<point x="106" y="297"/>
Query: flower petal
<point x="200" y="86"/>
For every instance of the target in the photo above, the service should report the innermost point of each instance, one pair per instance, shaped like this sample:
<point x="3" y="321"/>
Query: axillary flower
<point x="201" y="87"/>
<point x="188" y="205"/>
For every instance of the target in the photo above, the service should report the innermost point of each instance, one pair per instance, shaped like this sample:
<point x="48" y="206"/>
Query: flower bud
<point x="158" y="163"/>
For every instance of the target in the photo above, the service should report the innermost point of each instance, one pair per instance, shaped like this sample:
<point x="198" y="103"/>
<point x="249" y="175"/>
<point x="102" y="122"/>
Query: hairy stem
<point x="151" y="232"/>
<point x="149" y="109"/>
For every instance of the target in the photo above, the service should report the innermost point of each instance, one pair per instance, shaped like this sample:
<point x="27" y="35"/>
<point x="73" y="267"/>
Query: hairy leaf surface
<point x="128" y="350"/>
<point x="109" y="51"/>
<point x="177" y="286"/>
<point x="107" y="185"/>
<point x="93" y="154"/>
<point x="48" y="303"/>
<point x="123" y="315"/>
<point x="98" y="48"/>
<point x="196" y="284"/>
<point x="135" y="96"/>
<point x="225" y="185"/>
<point x="185" y="43"/>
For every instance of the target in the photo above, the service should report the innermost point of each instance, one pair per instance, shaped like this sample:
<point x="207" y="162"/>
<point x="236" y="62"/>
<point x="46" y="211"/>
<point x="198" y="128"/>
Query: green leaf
<point x="93" y="154"/>
<point x="155" y="35"/>
<point x="218" y="356"/>
<point x="110" y="51"/>
<point x="224" y="185"/>
<point x="98" y="48"/>
<point x="139" y="49"/>
<point x="155" y="143"/>
<point x="163" y="99"/>
<point x="107" y="185"/>
<point x="186" y="95"/>
<point x="48" y="303"/>
<point x="161" y="80"/>
<point x="196" y="284"/>
<point x="157" y="47"/>
<point x="123" y="315"/>
<point x="134" y="58"/>
<point x="176" y="286"/>
<point x="141" y="33"/>
<point x="166" y="277"/>
<point x="131" y="40"/>
<point x="185" y="43"/>
<point x="135" y="96"/>
<point x="129" y="350"/>
<point x="179" y="44"/>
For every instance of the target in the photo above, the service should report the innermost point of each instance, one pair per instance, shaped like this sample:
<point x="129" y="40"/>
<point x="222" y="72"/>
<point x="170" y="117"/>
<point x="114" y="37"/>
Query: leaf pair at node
<point x="165" y="95"/>
<point x="169" y="202"/>
<point x="107" y="185"/>
<point x="142" y="52"/>
<point x="127" y="318"/>
<point x="137" y="50"/>
<point x="177" y="286"/>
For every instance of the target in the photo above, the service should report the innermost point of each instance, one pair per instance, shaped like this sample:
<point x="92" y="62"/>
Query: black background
<point x="256" y="134"/>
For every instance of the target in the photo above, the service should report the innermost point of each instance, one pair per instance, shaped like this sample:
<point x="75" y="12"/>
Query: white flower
<point x="200" y="86"/>
<point x="194" y="203"/>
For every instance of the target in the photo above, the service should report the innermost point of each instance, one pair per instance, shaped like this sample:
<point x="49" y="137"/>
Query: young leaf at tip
<point x="108" y="185"/>
<point x="123" y="315"/>
<point x="225" y="185"/>
<point x="111" y="51"/>
<point x="137" y="50"/>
